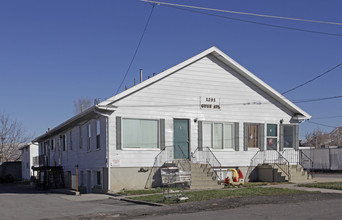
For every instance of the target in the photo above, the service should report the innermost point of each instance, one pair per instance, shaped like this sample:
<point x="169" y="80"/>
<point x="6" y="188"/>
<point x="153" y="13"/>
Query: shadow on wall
<point x="10" y="172"/>
<point x="154" y="180"/>
<point x="251" y="174"/>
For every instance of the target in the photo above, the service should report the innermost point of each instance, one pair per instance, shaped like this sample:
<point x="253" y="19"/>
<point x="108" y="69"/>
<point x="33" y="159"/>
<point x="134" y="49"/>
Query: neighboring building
<point x="29" y="152"/>
<point x="207" y="109"/>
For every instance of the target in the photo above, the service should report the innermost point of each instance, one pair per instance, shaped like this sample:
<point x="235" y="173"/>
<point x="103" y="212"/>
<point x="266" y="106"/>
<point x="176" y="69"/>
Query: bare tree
<point x="317" y="138"/>
<point x="81" y="104"/>
<point x="12" y="135"/>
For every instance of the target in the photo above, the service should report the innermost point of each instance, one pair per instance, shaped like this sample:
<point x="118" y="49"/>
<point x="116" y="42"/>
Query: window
<point x="52" y="144"/>
<point x="98" y="177"/>
<point x="140" y="133"/>
<point x="252" y="135"/>
<point x="272" y="134"/>
<point x="98" y="131"/>
<point x="289" y="136"/>
<point x="45" y="147"/>
<point x="218" y="135"/>
<point x="62" y="137"/>
<point x="89" y="137"/>
<point x="57" y="144"/>
<point x="70" y="140"/>
<point x="81" y="137"/>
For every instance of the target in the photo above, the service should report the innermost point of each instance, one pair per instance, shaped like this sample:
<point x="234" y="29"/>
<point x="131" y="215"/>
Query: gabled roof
<point x="299" y="113"/>
<point x="109" y="106"/>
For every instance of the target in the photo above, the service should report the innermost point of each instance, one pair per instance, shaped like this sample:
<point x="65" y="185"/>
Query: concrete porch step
<point x="203" y="177"/>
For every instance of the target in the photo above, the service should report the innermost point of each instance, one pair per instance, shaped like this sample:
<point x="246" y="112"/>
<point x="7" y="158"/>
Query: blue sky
<point x="54" y="52"/>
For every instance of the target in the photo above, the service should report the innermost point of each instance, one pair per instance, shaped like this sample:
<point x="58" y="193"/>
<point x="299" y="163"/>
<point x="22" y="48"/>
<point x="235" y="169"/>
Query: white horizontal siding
<point x="178" y="96"/>
<point x="85" y="159"/>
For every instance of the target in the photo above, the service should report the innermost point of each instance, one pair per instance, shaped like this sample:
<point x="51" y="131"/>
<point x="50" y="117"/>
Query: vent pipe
<point x="134" y="81"/>
<point x="154" y="74"/>
<point x="141" y="76"/>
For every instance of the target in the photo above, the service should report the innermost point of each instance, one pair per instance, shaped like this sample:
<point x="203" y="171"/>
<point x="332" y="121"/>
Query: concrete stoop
<point x="274" y="173"/>
<point x="204" y="177"/>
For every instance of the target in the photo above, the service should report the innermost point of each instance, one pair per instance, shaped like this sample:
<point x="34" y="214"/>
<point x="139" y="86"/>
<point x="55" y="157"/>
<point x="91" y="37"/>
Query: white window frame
<point x="276" y="137"/>
<point x="70" y="140"/>
<point x="212" y="123"/>
<point x="80" y="137"/>
<point x="293" y="136"/>
<point x="89" y="137"/>
<point x="139" y="148"/>
<point x="98" y="134"/>
<point x="257" y="148"/>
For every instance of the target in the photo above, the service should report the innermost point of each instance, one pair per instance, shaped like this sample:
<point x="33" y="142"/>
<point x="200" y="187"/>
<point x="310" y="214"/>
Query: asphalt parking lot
<point x="25" y="202"/>
<point x="19" y="201"/>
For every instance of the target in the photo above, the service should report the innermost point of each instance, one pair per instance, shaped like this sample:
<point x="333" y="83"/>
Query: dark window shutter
<point x="296" y="137"/>
<point x="281" y="137"/>
<point x="245" y="136"/>
<point x="236" y="136"/>
<point x="261" y="137"/>
<point x="118" y="133"/>
<point x="162" y="134"/>
<point x="200" y="135"/>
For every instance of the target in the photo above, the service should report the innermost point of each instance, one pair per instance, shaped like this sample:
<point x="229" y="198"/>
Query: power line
<point x="328" y="117"/>
<point x="321" y="124"/>
<point x="244" y="13"/>
<point x="320" y="75"/>
<point x="317" y="99"/>
<point x="258" y="23"/>
<point x="136" y="50"/>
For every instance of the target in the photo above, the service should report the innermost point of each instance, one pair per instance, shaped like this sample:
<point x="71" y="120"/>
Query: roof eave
<point x="75" y="119"/>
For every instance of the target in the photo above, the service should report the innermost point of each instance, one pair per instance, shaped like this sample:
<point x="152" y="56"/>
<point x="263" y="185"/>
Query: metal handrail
<point x="214" y="156"/>
<point x="252" y="164"/>
<point x="301" y="162"/>
<point x="213" y="165"/>
<point x="159" y="161"/>
<point x="285" y="167"/>
<point x="185" y="159"/>
<point x="261" y="157"/>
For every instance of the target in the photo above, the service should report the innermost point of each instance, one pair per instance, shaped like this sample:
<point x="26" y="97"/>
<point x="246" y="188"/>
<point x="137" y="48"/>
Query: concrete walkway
<point x="322" y="178"/>
<point x="318" y="178"/>
<point x="310" y="189"/>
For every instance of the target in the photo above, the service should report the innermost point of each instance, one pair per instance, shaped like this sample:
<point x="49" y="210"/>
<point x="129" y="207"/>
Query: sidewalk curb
<point x="137" y="201"/>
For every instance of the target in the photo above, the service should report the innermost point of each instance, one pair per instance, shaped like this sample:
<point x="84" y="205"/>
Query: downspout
<point x="107" y="145"/>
